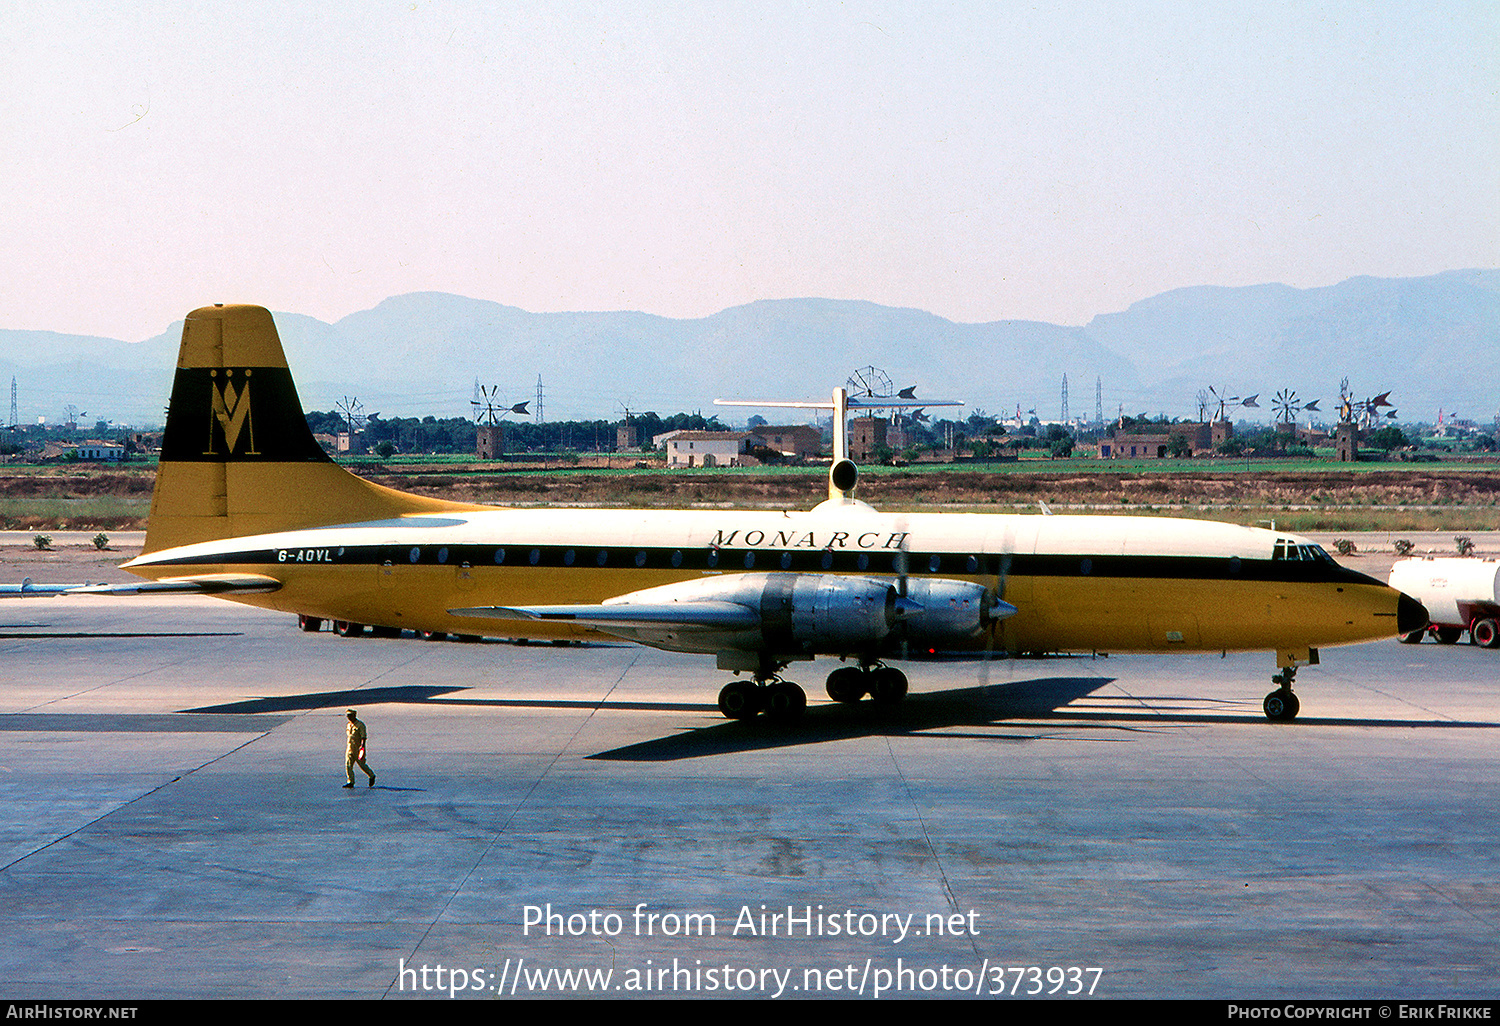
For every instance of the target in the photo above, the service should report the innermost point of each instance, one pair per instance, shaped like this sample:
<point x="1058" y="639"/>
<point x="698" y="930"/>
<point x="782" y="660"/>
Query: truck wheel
<point x="1485" y="633"/>
<point x="1448" y="635"/>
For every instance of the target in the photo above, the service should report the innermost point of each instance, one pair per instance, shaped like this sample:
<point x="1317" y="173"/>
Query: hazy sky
<point x="981" y="161"/>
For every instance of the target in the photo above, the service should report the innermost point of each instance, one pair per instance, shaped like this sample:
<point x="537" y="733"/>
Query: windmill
<point x="1225" y="401"/>
<point x="354" y="422"/>
<point x="1363" y="412"/>
<point x="489" y="411"/>
<point x="627" y="435"/>
<point x="869" y="383"/>
<point x="1287" y="406"/>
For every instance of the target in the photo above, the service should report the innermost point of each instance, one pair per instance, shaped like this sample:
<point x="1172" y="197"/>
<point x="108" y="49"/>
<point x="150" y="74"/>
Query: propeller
<point x="903" y="575"/>
<point x="997" y="623"/>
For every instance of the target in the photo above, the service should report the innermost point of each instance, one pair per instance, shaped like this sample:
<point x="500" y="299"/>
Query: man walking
<point x="354" y="755"/>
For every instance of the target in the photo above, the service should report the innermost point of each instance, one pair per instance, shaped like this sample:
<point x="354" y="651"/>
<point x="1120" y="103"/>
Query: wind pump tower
<point x="354" y="421"/>
<point x="489" y="411"/>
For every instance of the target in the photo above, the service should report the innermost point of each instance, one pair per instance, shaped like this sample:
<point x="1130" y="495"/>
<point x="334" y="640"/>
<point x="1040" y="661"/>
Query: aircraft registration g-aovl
<point x="247" y="506"/>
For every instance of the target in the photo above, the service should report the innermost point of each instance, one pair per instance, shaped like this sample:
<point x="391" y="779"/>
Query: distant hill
<point x="1431" y="341"/>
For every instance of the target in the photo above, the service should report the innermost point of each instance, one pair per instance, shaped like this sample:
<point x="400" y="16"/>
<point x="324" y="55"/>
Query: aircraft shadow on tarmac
<point x="1038" y="708"/>
<point x="976" y="707"/>
<point x="406" y="695"/>
<point x="1028" y="709"/>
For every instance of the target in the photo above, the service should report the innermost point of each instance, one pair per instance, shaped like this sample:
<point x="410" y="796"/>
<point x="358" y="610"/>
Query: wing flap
<point x="720" y="616"/>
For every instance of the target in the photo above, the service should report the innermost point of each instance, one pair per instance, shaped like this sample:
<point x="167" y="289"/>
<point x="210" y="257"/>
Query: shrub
<point x="43" y="542"/>
<point x="101" y="541"/>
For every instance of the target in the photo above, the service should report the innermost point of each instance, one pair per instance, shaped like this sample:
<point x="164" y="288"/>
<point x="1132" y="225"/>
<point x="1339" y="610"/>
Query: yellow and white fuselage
<point x="1078" y="583"/>
<point x="247" y="506"/>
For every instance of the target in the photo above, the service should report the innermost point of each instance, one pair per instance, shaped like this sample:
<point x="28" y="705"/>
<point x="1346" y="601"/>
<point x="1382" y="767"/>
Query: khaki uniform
<point x="355" y="754"/>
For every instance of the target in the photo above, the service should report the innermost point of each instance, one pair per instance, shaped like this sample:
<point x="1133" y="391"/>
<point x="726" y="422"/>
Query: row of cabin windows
<point x="607" y="557"/>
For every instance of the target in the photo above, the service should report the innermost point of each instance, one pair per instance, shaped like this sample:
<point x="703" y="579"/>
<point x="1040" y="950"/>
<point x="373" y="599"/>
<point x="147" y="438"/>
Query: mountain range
<point x="1432" y="342"/>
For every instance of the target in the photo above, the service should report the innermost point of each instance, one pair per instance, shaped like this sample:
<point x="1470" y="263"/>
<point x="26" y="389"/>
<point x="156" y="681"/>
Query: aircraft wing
<point x="703" y="615"/>
<point x="199" y="584"/>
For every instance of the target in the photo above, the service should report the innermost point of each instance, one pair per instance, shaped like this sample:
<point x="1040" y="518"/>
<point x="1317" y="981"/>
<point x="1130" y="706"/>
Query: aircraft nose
<point x="1411" y="615"/>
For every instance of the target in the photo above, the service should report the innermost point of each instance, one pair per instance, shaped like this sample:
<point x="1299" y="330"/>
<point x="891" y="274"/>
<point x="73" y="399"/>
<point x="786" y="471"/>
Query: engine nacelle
<point x="952" y="612"/>
<point x="825" y="614"/>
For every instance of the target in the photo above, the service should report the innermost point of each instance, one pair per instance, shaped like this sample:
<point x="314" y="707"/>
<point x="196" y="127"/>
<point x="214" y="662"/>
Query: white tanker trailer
<point x="1461" y="594"/>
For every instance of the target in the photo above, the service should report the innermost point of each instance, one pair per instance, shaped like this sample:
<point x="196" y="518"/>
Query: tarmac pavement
<point x="172" y="822"/>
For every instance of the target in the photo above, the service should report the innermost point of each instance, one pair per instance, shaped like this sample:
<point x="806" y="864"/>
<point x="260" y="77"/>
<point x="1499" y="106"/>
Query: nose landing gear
<point x="1281" y="705"/>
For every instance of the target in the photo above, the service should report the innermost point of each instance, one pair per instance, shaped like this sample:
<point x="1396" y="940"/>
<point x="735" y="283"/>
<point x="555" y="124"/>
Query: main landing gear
<point x="1281" y="705"/>
<point x="885" y="685"/>
<point x="780" y="700"/>
<point x="784" y="701"/>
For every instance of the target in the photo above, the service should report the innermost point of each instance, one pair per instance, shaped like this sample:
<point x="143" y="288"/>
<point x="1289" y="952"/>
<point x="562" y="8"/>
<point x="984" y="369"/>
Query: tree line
<point x="456" y="434"/>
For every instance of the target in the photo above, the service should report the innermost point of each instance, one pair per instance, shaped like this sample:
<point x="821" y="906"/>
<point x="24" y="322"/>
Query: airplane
<point x="248" y="507"/>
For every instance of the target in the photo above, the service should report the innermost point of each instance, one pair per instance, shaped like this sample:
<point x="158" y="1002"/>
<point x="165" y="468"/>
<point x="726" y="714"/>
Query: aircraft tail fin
<point x="237" y="456"/>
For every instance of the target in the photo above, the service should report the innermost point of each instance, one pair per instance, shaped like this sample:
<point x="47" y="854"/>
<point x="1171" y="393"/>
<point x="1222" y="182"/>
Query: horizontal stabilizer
<point x="723" y="616"/>
<point x="201" y="584"/>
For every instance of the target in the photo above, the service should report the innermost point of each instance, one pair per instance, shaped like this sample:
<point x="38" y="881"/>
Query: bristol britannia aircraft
<point x="248" y="507"/>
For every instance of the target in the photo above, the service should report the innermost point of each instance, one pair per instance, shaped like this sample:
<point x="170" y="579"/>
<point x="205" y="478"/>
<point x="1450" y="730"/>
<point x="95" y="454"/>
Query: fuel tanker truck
<point x="1461" y="593"/>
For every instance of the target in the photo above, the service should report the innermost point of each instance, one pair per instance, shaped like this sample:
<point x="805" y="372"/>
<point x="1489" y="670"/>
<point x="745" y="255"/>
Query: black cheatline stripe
<point x="878" y="562"/>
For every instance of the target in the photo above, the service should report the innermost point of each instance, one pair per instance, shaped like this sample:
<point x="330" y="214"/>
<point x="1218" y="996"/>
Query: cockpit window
<point x="1287" y="549"/>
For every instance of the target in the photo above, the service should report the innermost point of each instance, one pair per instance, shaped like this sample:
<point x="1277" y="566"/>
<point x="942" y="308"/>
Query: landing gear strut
<point x="784" y="702"/>
<point x="1281" y="705"/>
